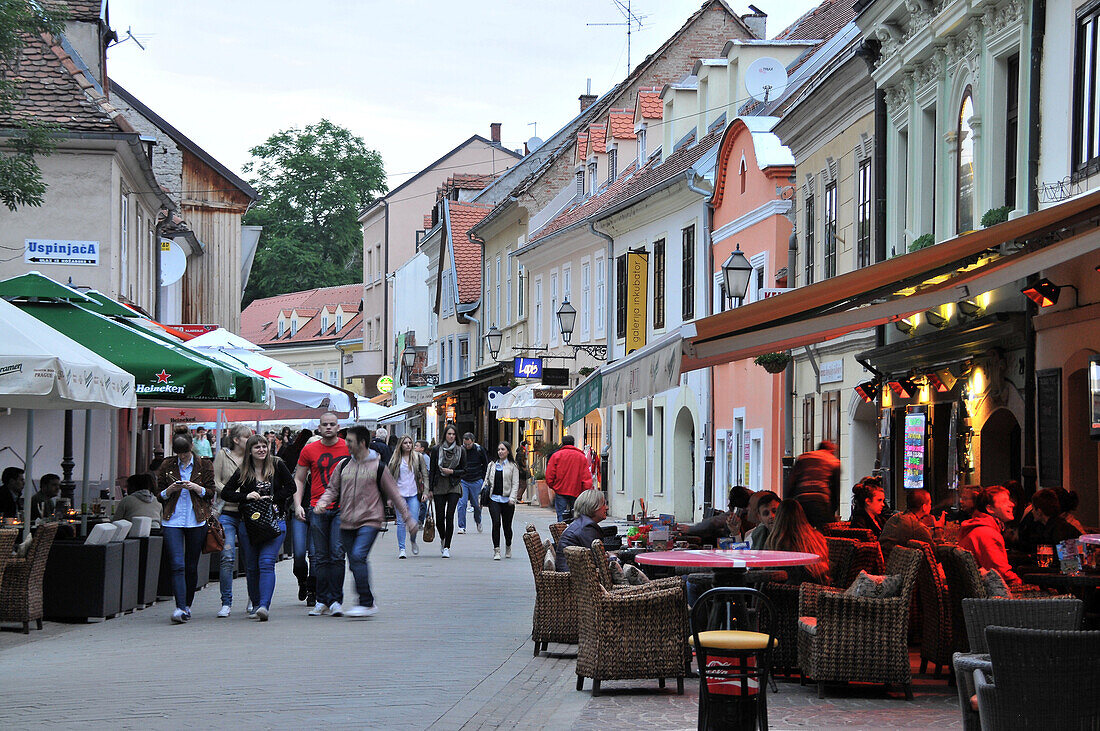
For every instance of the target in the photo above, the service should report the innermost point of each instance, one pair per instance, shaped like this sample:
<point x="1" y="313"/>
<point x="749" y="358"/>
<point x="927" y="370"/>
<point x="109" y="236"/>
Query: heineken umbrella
<point x="166" y="373"/>
<point x="34" y="285"/>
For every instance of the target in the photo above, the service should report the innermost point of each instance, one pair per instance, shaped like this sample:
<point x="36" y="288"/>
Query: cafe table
<point x="1093" y="539"/>
<point x="730" y="566"/>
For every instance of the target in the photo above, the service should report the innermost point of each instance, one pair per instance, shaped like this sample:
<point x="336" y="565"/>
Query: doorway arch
<point x="683" y="466"/>
<point x="1000" y="448"/>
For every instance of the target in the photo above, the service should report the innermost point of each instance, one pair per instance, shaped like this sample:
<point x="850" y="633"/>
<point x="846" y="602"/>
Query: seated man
<point x="1054" y="528"/>
<point x="725" y="523"/>
<point x="43" y="501"/>
<point x="763" y="506"/>
<point x="982" y="536"/>
<point x="916" y="523"/>
<point x="140" y="500"/>
<point x="590" y="508"/>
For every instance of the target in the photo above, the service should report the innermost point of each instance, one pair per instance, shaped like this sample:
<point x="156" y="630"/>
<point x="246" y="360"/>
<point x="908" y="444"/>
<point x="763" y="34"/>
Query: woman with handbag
<point x="501" y="487"/>
<point x="448" y="463"/>
<point x="226" y="462"/>
<point x="408" y="469"/>
<point x="262" y="486"/>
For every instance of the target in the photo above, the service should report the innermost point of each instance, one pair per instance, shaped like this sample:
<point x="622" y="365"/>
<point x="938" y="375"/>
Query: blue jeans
<point x="235" y="535"/>
<point x="563" y="503"/>
<point x="361" y="540"/>
<point x="414" y="509"/>
<point x="326" y="553"/>
<point x="299" y="539"/>
<point x="184" y="546"/>
<point x="260" y="569"/>
<point x="471" y="490"/>
<point x="422" y="513"/>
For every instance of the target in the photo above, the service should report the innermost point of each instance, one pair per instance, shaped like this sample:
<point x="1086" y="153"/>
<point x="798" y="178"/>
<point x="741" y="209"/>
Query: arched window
<point x="744" y="174"/>
<point x="964" y="172"/>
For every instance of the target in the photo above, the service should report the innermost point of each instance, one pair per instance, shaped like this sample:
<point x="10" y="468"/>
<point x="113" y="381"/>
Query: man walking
<point x="326" y="552"/>
<point x="381" y="445"/>
<point x="477" y="462"/>
<point x="357" y="485"/>
<point x="815" y="483"/>
<point x="567" y="474"/>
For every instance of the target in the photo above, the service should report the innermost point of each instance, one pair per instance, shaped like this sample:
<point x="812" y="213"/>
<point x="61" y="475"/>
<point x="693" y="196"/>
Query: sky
<point x="413" y="78"/>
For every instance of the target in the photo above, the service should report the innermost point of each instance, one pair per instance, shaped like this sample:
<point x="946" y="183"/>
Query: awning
<point x="483" y="376"/>
<point x="521" y="403"/>
<point x="645" y="372"/>
<point x="400" y="412"/>
<point x="899" y="287"/>
<point x="584" y="399"/>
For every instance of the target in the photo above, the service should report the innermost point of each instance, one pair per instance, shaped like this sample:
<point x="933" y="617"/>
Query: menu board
<point x="913" y="451"/>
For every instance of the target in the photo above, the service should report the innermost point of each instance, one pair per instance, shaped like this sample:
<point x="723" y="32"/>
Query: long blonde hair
<point x="793" y="532"/>
<point x="247" y="469"/>
<point x="395" y="460"/>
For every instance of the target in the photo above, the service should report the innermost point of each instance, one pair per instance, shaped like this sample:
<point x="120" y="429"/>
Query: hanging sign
<point x="637" y="271"/>
<point x="56" y="251"/>
<point x="384" y="384"/>
<point x="527" y="367"/>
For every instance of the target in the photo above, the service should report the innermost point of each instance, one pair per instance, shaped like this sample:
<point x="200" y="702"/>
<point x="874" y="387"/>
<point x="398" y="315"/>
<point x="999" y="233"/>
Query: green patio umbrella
<point x="34" y="285"/>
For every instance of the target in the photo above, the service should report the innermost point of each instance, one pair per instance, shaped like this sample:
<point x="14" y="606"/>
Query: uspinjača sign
<point x="55" y="251"/>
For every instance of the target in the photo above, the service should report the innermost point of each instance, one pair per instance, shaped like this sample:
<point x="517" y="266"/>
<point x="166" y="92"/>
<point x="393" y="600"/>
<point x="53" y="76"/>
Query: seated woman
<point x="139" y="500"/>
<point x="916" y="523"/>
<point x="590" y="508"/>
<point x="736" y="521"/>
<point x="868" y="500"/>
<point x="1053" y="526"/>
<point x="982" y="534"/>
<point x="793" y="532"/>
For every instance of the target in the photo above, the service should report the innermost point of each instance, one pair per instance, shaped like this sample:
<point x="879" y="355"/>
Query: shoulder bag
<point x="261" y="520"/>
<point x="428" y="533"/>
<point x="215" y="535"/>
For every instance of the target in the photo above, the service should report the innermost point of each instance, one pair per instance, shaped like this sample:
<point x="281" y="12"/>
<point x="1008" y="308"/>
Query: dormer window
<point x="593" y="181"/>
<point x="612" y="164"/>
<point x="324" y="322"/>
<point x="641" y="146"/>
<point x="339" y="321"/>
<point x="294" y="326"/>
<point x="580" y="183"/>
<point x="282" y="326"/>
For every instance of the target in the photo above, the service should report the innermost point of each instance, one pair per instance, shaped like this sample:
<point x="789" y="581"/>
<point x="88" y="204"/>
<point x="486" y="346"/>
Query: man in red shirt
<point x="567" y="474"/>
<point x="326" y="551"/>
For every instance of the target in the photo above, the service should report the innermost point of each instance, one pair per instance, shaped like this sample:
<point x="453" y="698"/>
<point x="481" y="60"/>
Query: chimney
<point x="494" y="132"/>
<point x="587" y="98"/>
<point x="757" y="22"/>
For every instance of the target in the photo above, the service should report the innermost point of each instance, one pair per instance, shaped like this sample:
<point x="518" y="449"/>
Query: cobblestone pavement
<point x="449" y="650"/>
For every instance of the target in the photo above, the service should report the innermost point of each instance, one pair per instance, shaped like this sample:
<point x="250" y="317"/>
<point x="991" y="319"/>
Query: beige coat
<point x="354" y="487"/>
<point x="511" y="479"/>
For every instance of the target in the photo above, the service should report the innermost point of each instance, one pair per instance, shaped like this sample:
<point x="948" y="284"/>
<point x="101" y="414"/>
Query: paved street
<point x="449" y="650"/>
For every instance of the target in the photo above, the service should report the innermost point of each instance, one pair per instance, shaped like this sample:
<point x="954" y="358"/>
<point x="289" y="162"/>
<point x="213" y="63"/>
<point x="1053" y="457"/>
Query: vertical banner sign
<point x="637" y="271"/>
<point x="913" y="454"/>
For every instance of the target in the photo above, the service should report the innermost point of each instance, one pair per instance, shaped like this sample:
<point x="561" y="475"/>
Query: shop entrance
<point x="1000" y="449"/>
<point x="1080" y="472"/>
<point x="683" y="467"/>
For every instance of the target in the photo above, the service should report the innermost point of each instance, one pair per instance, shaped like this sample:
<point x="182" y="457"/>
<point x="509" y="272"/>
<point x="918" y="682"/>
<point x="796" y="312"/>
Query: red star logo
<point x="266" y="373"/>
<point x="163" y="376"/>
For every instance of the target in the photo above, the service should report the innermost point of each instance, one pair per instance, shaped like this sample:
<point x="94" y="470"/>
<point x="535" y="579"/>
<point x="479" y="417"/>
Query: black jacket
<point x="282" y="487"/>
<point x="9" y="506"/>
<point x="477" y="461"/>
<point x="442" y="484"/>
<point x="383" y="450"/>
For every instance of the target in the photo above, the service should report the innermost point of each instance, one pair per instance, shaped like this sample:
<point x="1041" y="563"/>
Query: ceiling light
<point x="943" y="381"/>
<point x="970" y="307"/>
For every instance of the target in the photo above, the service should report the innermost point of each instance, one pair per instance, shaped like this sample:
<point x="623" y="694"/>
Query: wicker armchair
<point x="21" y="587"/>
<point x="1042" y="679"/>
<point x="556" y="529"/>
<point x="935" y="611"/>
<point x="555" y="615"/>
<point x="1047" y="614"/>
<point x="842" y="530"/>
<point x="856" y="638"/>
<point x="603" y="572"/>
<point x="636" y="632"/>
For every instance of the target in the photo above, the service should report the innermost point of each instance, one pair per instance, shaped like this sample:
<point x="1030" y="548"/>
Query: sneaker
<point x="479" y="528"/>
<point x="446" y="553"/>
<point x="469" y="508"/>
<point x="507" y="552"/>
<point x="251" y="615"/>
<point x="250" y="609"/>
<point x="496" y="554"/>
<point x="311" y="598"/>
<point x="460" y="531"/>
<point x="319" y="610"/>
<point x="415" y="547"/>
<point x="224" y="611"/>
<point x="179" y="617"/>
<point x="187" y="614"/>
<point x="336" y="609"/>
<point x="401" y="553"/>
<point x="361" y="612"/>
<point x="261" y="614"/>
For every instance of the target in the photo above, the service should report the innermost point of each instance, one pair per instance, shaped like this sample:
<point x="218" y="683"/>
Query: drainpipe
<point x="788" y="372"/>
<point x="708" y="459"/>
<point x="609" y="263"/>
<point x="386" y="291"/>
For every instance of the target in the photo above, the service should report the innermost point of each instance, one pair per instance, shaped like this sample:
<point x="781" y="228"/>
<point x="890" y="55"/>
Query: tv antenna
<point x="131" y="37"/>
<point x="629" y="20"/>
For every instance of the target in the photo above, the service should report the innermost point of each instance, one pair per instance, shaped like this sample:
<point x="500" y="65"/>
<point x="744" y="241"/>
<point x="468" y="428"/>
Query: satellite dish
<point x="533" y="144"/>
<point x="173" y="262"/>
<point x="766" y="79"/>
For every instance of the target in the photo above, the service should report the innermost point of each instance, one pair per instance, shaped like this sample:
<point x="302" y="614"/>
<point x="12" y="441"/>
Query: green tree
<point x="21" y="138"/>
<point x="313" y="183"/>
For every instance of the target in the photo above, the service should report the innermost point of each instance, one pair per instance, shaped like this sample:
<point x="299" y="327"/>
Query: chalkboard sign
<point x="1049" y="406"/>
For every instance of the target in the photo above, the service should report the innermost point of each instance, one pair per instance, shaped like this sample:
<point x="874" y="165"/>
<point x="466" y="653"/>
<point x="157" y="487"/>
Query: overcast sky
<point x="413" y="78"/>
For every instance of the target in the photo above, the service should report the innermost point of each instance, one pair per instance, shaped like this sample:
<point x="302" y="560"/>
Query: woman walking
<point x="299" y="529"/>
<point x="448" y="462"/>
<point x="260" y="478"/>
<point x="502" y="479"/>
<point x="411" y="474"/>
<point x="226" y="462"/>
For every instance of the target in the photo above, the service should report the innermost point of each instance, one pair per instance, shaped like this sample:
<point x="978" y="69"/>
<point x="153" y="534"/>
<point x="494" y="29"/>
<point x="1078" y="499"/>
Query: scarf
<point x="449" y="456"/>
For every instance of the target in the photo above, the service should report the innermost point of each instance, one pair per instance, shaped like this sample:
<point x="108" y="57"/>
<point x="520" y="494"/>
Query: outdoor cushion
<point x="101" y="534"/>
<point x="875" y="587"/>
<point x="995" y="586"/>
<point x="549" y="562"/>
<point x="618" y="578"/>
<point x="635" y="576"/>
<point x="734" y="640"/>
<point x="143" y="524"/>
<point x="808" y="625"/>
<point x="123" y="531"/>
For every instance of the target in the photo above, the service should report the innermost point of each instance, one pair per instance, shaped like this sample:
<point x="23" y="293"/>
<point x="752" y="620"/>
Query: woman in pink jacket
<point x="983" y="535"/>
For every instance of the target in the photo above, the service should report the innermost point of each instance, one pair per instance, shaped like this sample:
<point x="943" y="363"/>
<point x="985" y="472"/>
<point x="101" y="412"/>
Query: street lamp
<point x="567" y="319"/>
<point x="408" y="358"/>
<point x="736" y="272"/>
<point x="493" y="338"/>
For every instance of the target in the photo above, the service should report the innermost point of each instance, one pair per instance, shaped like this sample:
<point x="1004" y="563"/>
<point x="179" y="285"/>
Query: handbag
<point x="485" y="497"/>
<point x="261" y="520"/>
<point x="428" y="534"/>
<point x="215" y="535"/>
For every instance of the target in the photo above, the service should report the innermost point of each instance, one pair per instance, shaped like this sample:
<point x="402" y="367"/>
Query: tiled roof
<point x="467" y="254"/>
<point x="821" y="23"/>
<point x="596" y="138"/>
<point x="582" y="147"/>
<point x="53" y="88"/>
<point x="620" y="124"/>
<point x="649" y="105"/>
<point x="582" y="210"/>
<point x="427" y="222"/>
<point x="260" y="320"/>
<point x="464" y="181"/>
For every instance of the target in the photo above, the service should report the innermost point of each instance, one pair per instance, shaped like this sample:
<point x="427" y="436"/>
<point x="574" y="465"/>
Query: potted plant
<point x="995" y="215"/>
<point x="773" y="362"/>
<point x="921" y="242"/>
<point x="545" y="450"/>
<point x="538" y="474"/>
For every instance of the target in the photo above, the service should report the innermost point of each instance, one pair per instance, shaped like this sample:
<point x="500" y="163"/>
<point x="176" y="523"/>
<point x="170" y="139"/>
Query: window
<point x="580" y="183"/>
<point x="507" y="287"/>
<point x="319" y="374"/>
<point x="293" y="326"/>
<point x="451" y="358"/>
<point x="612" y="164"/>
<point x="657" y="449"/>
<point x="743" y="173"/>
<point x="688" y="280"/>
<point x="586" y="300"/>
<point x="830" y="418"/>
<point x="379" y="264"/>
<point x="463" y="357"/>
<point x="124" y="243"/>
<point x="368" y="339"/>
<point x="641" y="147"/>
<point x="443" y="361"/>
<point x="538" y="311"/>
<point x="333" y="376"/>
<point x="324" y="322"/>
<point x="500" y="321"/>
<point x="447" y="296"/>
<point x="520" y="279"/>
<point x="808" y="423"/>
<point x="593" y="181"/>
<point x="282" y="327"/>
<point x="1012" y="125"/>
<point x="620" y="296"/>
<point x="566" y="282"/>
<point x="830" y="230"/>
<point x="339" y="321"/>
<point x="964" y="171"/>
<point x="863" y="214"/>
<point x="808" y="255"/>
<point x="601" y="297"/>
<point x="379" y="333"/>
<point x="659" y="283"/>
<point x="553" y="308"/>
<point x="759" y="263"/>
<point x="1086" y="103"/>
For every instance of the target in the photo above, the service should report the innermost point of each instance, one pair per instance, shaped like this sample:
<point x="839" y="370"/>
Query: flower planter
<point x="546" y="499"/>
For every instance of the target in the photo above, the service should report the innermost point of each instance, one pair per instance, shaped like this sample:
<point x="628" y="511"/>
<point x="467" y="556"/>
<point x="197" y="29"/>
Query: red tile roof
<point x="821" y="23"/>
<point x="464" y="181"/>
<point x="85" y="10"/>
<point x="582" y="147"/>
<point x="649" y="104"/>
<point x="260" y="320"/>
<point x="582" y="210"/>
<point x="467" y="254"/>
<point x="597" y="137"/>
<point x="620" y="124"/>
<point x="53" y="88"/>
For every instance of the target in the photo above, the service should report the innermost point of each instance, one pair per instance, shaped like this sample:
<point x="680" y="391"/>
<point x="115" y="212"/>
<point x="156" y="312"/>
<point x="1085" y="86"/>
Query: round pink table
<point x="1090" y="538"/>
<point x="729" y="566"/>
